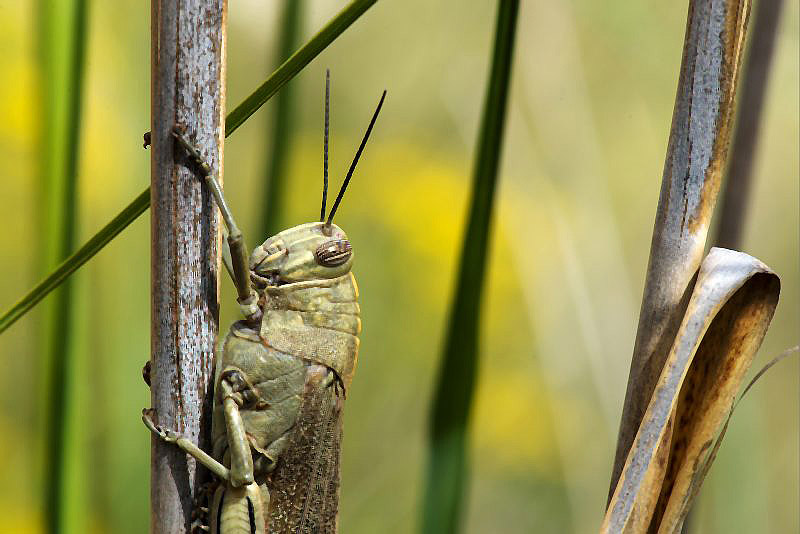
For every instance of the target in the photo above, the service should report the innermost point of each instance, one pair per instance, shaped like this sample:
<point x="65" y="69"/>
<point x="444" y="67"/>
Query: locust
<point x="283" y="372"/>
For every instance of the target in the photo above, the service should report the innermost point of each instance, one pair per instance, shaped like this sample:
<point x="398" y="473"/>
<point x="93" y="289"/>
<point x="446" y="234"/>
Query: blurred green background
<point x="591" y="102"/>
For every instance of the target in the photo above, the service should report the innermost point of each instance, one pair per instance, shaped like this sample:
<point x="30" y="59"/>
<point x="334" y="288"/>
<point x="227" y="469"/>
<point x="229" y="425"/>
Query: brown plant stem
<point x="188" y="72"/>
<point x="696" y="154"/>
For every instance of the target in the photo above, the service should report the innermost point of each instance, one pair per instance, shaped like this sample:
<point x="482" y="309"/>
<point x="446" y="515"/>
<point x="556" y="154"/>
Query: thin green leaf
<point x="281" y="128"/>
<point x="277" y="79"/>
<point x="295" y="64"/>
<point x="62" y="38"/>
<point x="446" y="476"/>
<point x="71" y="264"/>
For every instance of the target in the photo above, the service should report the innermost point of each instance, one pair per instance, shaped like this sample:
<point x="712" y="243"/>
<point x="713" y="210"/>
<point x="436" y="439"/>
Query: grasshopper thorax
<point x="304" y="253"/>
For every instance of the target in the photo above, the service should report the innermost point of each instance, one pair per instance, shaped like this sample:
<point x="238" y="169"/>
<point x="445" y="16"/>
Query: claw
<point x="146" y="372"/>
<point x="178" y="132"/>
<point x="167" y="435"/>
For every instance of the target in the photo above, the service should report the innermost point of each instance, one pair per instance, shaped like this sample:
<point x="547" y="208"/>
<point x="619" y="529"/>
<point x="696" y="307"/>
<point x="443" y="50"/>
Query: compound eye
<point x="333" y="253"/>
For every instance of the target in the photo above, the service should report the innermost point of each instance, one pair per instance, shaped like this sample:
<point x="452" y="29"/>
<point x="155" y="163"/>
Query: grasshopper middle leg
<point x="186" y="445"/>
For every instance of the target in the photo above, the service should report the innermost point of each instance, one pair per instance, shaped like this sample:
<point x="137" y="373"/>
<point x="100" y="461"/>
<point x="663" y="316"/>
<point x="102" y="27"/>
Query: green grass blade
<point x="71" y="264"/>
<point x="281" y="128"/>
<point x="267" y="90"/>
<point x="296" y="62"/>
<point x="62" y="38"/>
<point x="447" y="464"/>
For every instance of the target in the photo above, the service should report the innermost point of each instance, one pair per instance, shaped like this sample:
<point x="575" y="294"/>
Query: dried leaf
<point x="727" y="316"/>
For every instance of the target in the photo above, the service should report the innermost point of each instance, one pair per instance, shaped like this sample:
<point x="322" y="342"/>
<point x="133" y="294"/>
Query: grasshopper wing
<point x="304" y="488"/>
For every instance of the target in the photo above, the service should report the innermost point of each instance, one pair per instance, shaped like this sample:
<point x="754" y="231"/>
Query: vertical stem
<point x="696" y="153"/>
<point x="754" y="83"/>
<point x="448" y="456"/>
<point x="281" y="127"/>
<point x="188" y="73"/>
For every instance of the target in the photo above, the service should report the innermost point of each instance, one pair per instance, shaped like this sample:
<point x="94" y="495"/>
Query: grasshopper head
<point x="311" y="251"/>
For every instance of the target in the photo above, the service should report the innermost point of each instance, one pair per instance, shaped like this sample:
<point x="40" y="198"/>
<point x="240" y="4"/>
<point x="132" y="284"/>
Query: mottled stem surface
<point x="188" y="73"/>
<point x="696" y="154"/>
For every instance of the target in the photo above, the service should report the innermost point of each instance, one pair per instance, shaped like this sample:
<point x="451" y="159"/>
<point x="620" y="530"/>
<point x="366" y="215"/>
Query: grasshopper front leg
<point x="186" y="445"/>
<point x="239" y="269"/>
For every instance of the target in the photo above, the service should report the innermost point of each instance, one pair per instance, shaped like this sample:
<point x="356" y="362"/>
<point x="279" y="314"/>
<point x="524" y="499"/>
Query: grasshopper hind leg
<point x="239" y="510"/>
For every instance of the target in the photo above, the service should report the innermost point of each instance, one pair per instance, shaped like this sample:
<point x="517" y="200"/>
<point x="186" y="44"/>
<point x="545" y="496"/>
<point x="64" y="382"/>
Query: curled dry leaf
<point x="728" y="313"/>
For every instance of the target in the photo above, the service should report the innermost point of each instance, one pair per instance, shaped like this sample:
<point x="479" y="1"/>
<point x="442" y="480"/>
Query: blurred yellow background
<point x="591" y="102"/>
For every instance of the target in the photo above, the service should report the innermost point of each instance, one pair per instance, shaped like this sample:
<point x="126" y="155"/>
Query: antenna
<point x="325" y="144"/>
<point x="355" y="160"/>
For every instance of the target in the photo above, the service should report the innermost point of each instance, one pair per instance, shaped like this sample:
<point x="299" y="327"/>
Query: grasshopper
<point x="283" y="373"/>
